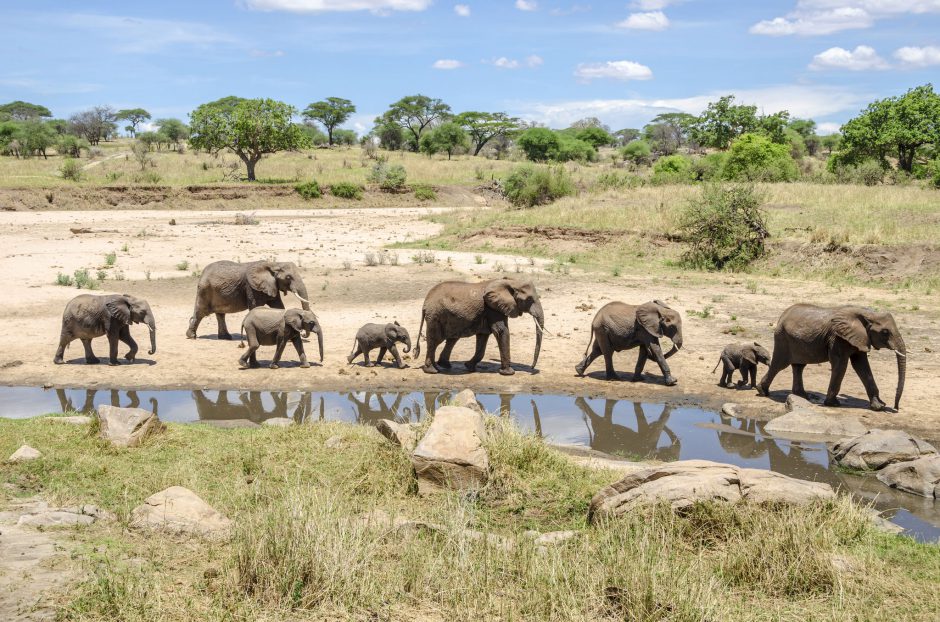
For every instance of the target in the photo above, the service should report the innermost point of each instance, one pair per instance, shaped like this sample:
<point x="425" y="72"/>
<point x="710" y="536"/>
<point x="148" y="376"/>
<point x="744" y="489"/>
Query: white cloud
<point x="462" y="10"/>
<point x="822" y="17"/>
<point x="824" y="129"/>
<point x="266" y="53"/>
<point x="862" y="58"/>
<point x="653" y="5"/>
<point x="532" y="61"/>
<point x="447" y="63"/>
<point x="613" y="69"/>
<point x="919" y="57"/>
<point x="506" y="63"/>
<point x="527" y="5"/>
<point x="655" y="20"/>
<point x="136" y="35"/>
<point x="322" y="6"/>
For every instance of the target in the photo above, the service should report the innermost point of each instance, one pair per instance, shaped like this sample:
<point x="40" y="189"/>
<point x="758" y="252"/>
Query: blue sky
<point x="551" y="61"/>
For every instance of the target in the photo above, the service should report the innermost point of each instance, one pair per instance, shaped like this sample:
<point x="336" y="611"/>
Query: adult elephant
<point x="230" y="287"/>
<point x="88" y="316"/>
<point x="454" y="310"/>
<point x="619" y="326"/>
<point x="807" y="334"/>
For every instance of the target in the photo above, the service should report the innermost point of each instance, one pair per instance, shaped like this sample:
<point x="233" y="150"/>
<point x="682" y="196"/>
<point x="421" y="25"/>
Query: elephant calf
<point x="87" y="316"/>
<point x="743" y="356"/>
<point x="383" y="337"/>
<point x="275" y="327"/>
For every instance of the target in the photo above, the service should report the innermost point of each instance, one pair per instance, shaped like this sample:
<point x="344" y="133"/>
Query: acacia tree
<point x="93" y="124"/>
<point x="250" y="128"/>
<point x="447" y="137"/>
<point x="668" y="132"/>
<point x="414" y="114"/>
<point x="331" y="112"/>
<point x="23" y="111"/>
<point x="174" y="130"/>
<point x="134" y="116"/>
<point x="485" y="126"/>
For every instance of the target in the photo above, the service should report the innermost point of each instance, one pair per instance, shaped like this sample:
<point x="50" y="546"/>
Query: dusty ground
<point x="330" y="246"/>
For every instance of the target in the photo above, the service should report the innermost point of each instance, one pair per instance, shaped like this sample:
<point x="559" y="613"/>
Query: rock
<point x="402" y="434"/>
<point x="334" y="442"/>
<point x="278" y="422"/>
<point x="451" y="454"/>
<point x="731" y="409"/>
<point x="178" y="510"/>
<point x="921" y="476"/>
<point x="876" y="449"/>
<point x="467" y="399"/>
<point x="24" y="454"/>
<point x="55" y="518"/>
<point x="881" y="523"/>
<point x="72" y="420"/>
<point x="127" y="427"/>
<point x="812" y="423"/>
<point x="553" y="538"/>
<point x="795" y="402"/>
<point x="687" y="482"/>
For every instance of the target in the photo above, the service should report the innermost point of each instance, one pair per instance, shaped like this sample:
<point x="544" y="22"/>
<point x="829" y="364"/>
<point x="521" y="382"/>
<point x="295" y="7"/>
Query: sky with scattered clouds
<point x="549" y="61"/>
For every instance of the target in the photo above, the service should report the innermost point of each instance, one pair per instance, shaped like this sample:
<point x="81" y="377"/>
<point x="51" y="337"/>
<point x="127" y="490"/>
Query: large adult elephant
<point x="807" y="334"/>
<point x="88" y="316"/>
<point x="619" y="326"/>
<point x="454" y="310"/>
<point x="230" y="287"/>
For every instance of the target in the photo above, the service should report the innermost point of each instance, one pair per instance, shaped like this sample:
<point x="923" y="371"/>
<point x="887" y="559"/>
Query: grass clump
<point x="347" y="190"/>
<point x="309" y="190"/>
<point x="424" y="192"/>
<point x="724" y="229"/>
<point x="84" y="280"/>
<point x="64" y="280"/>
<point x="71" y="169"/>
<point x="390" y="178"/>
<point x="528" y="185"/>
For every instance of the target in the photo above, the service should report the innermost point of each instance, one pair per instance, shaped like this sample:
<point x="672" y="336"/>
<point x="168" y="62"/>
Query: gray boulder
<point x="127" y="427"/>
<point x="731" y="409"/>
<point x="70" y="420"/>
<point x="180" y="511"/>
<point x="877" y="449"/>
<point x="404" y="435"/>
<point x="684" y="483"/>
<point x="921" y="476"/>
<point x="467" y="399"/>
<point x="451" y="454"/>
<point x="24" y="454"/>
<point x="813" y="423"/>
<point x="795" y="402"/>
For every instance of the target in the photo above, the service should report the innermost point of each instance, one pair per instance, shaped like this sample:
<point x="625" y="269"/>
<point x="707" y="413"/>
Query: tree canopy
<point x="331" y="112"/>
<point x="94" y="125"/>
<point x="174" y="130"/>
<point x="447" y="137"/>
<point x="482" y="127"/>
<point x="23" y="111"/>
<point x="723" y="121"/>
<point x="134" y="116"/>
<point x="414" y="113"/>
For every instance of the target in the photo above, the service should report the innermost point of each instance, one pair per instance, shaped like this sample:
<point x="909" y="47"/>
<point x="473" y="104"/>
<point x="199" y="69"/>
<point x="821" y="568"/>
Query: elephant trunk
<point x="901" y="354"/>
<point x="407" y="347"/>
<point x="319" y="333"/>
<point x="539" y="316"/>
<point x="300" y="290"/>
<point x="676" y="345"/>
<point x="152" y="325"/>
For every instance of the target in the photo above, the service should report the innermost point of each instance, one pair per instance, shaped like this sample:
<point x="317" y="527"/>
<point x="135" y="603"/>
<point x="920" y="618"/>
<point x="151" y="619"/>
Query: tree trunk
<point x="906" y="157"/>
<point x="250" y="165"/>
<point x="329" y="135"/>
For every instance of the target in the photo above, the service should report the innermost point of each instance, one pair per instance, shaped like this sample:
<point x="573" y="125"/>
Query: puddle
<point x="632" y="430"/>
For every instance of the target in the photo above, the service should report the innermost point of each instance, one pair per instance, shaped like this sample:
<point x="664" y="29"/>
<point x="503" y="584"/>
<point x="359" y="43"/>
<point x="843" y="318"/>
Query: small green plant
<point x="309" y="190"/>
<point x="346" y="190"/>
<point x="113" y="176"/>
<point x="71" y="169"/>
<point x="423" y="257"/>
<point x="498" y="267"/>
<point x="246" y="219"/>
<point x="150" y="177"/>
<point x="125" y="248"/>
<point x="724" y="229"/>
<point x="371" y="259"/>
<point x="183" y="266"/>
<point x="478" y="259"/>
<point x="933" y="173"/>
<point x="118" y="275"/>
<point x="616" y="271"/>
<point x="110" y="259"/>
<point x="528" y="185"/>
<point x="869" y="173"/>
<point x="704" y="313"/>
<point x="390" y="178"/>
<point x="102" y="275"/>
<point x="147" y="274"/>
<point x="424" y="192"/>
<point x="64" y="280"/>
<point x="83" y="280"/>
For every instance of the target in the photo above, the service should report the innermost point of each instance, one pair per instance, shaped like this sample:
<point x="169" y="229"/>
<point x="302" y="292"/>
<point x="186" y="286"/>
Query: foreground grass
<point x="300" y="553"/>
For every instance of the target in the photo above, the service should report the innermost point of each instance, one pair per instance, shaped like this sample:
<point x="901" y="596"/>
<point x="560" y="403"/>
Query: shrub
<point x="708" y="167"/>
<point x="63" y="280"/>
<point x="673" y="169"/>
<point x="933" y="173"/>
<point x="71" y="170"/>
<point x="309" y="190"/>
<point x="424" y="192"/>
<point x="616" y="181"/>
<point x="573" y="149"/>
<point x="725" y="228"/>
<point x="389" y="178"/>
<point x="538" y="143"/>
<point x="71" y="146"/>
<point x="83" y="280"/>
<point x="753" y="157"/>
<point x="346" y="190"/>
<point x="869" y="172"/>
<point x="637" y="152"/>
<point x="527" y="185"/>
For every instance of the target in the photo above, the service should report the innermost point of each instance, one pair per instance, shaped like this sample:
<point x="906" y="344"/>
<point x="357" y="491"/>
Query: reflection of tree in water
<point x="133" y="401"/>
<point x="612" y="438"/>
<point x="250" y="405"/>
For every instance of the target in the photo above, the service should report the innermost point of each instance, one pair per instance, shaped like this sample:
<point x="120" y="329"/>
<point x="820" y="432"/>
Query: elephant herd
<point x="805" y="334"/>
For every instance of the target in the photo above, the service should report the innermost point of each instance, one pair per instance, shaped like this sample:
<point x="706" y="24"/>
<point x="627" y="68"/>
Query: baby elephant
<point x="383" y="337"/>
<point x="743" y="356"/>
<point x="86" y="317"/>
<point x="275" y="327"/>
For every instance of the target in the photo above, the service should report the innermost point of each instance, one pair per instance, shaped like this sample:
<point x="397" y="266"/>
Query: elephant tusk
<point x="897" y="353"/>
<point x="301" y="298"/>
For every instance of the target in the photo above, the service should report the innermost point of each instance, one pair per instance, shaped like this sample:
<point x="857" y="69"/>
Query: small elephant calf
<point x="383" y="337"/>
<point x="743" y="356"/>
<point x="275" y="327"/>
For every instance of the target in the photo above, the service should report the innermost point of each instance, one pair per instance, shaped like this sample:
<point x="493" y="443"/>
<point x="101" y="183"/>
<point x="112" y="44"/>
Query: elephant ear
<point x="499" y="295"/>
<point x="260" y="279"/>
<point x="649" y="318"/>
<point x="295" y="321"/>
<point x="391" y="331"/>
<point x="749" y="355"/>
<point x="119" y="310"/>
<point x="850" y="326"/>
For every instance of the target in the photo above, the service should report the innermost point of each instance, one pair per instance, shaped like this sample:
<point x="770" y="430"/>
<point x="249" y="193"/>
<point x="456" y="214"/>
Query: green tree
<point x="831" y="142"/>
<point x="804" y="127"/>
<point x="571" y="148"/>
<point x="774" y="126"/>
<point x="390" y="135"/>
<point x="482" y="127"/>
<point x="753" y="157"/>
<point x="447" y="137"/>
<point x="668" y="132"/>
<point x="413" y="114"/>
<point x="347" y="138"/>
<point x="626" y="135"/>
<point x="538" y="143"/>
<point x="23" y="111"/>
<point x="250" y="128"/>
<point x="331" y="112"/>
<point x="134" y="116"/>
<point x="637" y="152"/>
<point x="595" y="136"/>
<point x="898" y="126"/>
<point x="35" y="137"/>
<point x="175" y="130"/>
<point x="723" y="121"/>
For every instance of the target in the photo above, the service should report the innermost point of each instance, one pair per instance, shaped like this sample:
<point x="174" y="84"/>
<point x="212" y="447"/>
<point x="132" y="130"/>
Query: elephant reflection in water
<point x="612" y="438"/>
<point x="133" y="401"/>
<point x="250" y="406"/>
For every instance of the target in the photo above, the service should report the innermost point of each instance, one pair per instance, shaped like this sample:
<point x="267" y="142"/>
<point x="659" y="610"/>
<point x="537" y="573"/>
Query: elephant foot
<point x="92" y="360"/>
<point x="762" y="390"/>
<point x="226" y="336"/>
<point x="403" y="365"/>
<point x="444" y="364"/>
<point x="242" y="365"/>
<point x="114" y="362"/>
<point x="669" y="381"/>
<point x="305" y="365"/>
<point x="579" y="369"/>
<point x="370" y="364"/>
<point x="190" y="334"/>
<point x="349" y="359"/>
<point x="470" y="366"/>
<point x="506" y="371"/>
<point x="130" y="356"/>
<point x="58" y="360"/>
<point x="429" y="369"/>
<point x="876" y="404"/>
<point x="274" y="366"/>
<point x="800" y="393"/>
<point x="636" y="377"/>
<point x="832" y="402"/>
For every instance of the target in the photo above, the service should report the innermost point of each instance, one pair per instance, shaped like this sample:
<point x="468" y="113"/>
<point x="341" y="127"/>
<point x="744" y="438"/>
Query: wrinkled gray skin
<point x="87" y="316"/>
<point x="743" y="356"/>
<point x="807" y="334"/>
<point x="230" y="287"/>
<point x="274" y="327"/>
<point x="454" y="310"/>
<point x="383" y="337"/>
<point x="619" y="326"/>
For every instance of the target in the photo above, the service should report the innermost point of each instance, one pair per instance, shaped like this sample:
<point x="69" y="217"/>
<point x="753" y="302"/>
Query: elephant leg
<point x="299" y="346"/>
<point x="246" y="359"/>
<point x="500" y="331"/>
<point x="746" y="370"/>
<point x="433" y="340"/>
<point x="90" y="357"/>
<point x="444" y="360"/>
<point x="199" y="312"/>
<point x="607" y="349"/>
<point x="113" y="347"/>
<point x="478" y="353"/>
<point x="365" y="359"/>
<point x="640" y="364"/>
<point x="595" y="352"/>
<point x="663" y="365"/>
<point x="777" y="365"/>
<point x="278" y="352"/>
<point x="394" y="350"/>
<point x="356" y="352"/>
<point x="798" y="388"/>
<point x="125" y="336"/>
<point x="223" y="329"/>
<point x="64" y="340"/>
<point x="862" y="367"/>
<point x="839" y="365"/>
<point x="381" y="356"/>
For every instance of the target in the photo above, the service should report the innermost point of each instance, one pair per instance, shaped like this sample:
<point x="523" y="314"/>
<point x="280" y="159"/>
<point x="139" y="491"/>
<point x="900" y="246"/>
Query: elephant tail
<point x="241" y="344"/>
<point x="417" y="348"/>
<point x="590" y="343"/>
<point x="716" y="365"/>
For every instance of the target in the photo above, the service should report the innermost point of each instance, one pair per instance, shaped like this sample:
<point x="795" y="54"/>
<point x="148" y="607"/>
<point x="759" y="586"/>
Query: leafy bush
<point x="538" y="143"/>
<point x="637" y="152"/>
<point x="933" y="173"/>
<point x="309" y="190"/>
<point x="595" y="136"/>
<point x="725" y="228"/>
<point x="527" y="185"/>
<point x="346" y="190"/>
<point x="71" y="146"/>
<point x="753" y="157"/>
<point x="83" y="280"/>
<point x="673" y="169"/>
<point x="389" y="178"/>
<point x="708" y="167"/>
<point x="573" y="149"/>
<point x="71" y="169"/>
<point x="63" y="280"/>
<point x="616" y="181"/>
<point x="869" y="172"/>
<point x="424" y="192"/>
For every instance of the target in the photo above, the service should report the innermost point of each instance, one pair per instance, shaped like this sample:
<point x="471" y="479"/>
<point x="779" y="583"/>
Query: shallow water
<point x="633" y="430"/>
